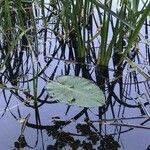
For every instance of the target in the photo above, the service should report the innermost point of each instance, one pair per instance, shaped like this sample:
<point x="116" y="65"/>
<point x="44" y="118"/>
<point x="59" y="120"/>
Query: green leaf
<point x="76" y="91"/>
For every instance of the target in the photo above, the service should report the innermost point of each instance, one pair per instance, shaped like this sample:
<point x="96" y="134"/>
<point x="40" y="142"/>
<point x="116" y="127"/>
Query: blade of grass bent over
<point x="136" y="31"/>
<point x="140" y="70"/>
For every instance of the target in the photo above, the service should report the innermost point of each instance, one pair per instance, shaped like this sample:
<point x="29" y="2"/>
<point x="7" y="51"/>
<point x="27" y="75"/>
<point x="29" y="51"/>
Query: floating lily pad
<point x="76" y="91"/>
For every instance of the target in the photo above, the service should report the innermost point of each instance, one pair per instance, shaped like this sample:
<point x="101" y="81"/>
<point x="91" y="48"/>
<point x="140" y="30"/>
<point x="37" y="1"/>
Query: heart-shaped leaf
<point x="77" y="91"/>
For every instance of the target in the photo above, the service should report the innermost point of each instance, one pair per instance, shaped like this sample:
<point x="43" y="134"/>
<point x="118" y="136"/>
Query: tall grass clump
<point x="18" y="32"/>
<point x="88" y="31"/>
<point x="85" y="25"/>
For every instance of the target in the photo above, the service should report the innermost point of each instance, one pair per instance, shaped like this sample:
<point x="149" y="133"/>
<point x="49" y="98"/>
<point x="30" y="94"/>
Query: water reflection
<point x="122" y="92"/>
<point x="56" y="126"/>
<point x="86" y="135"/>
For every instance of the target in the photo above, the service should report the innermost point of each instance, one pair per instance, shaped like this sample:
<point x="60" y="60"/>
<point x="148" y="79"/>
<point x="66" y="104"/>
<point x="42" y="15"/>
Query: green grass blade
<point x="136" y="31"/>
<point x="140" y="70"/>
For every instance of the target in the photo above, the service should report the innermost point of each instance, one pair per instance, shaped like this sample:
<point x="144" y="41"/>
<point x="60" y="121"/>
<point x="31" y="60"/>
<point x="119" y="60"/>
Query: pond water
<point x="52" y="126"/>
<point x="30" y="119"/>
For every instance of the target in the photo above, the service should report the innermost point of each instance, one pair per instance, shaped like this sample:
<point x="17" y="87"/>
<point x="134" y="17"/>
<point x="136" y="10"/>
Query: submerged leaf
<point x="76" y="91"/>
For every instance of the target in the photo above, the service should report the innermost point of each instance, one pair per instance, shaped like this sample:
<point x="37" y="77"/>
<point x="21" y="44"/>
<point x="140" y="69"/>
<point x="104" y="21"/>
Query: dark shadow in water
<point x="91" y="139"/>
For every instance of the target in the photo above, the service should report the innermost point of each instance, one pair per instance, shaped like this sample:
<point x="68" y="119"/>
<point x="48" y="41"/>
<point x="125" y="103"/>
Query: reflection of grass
<point x="88" y="34"/>
<point x="80" y="25"/>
